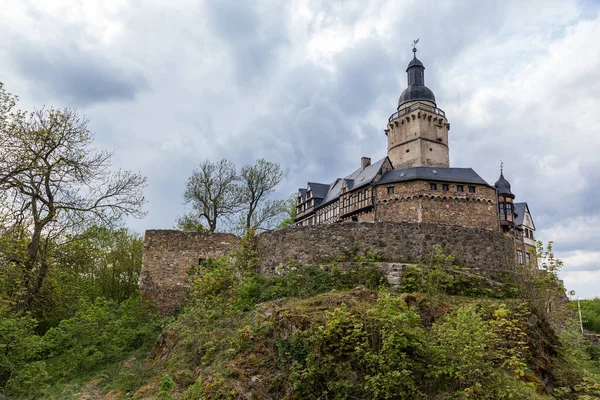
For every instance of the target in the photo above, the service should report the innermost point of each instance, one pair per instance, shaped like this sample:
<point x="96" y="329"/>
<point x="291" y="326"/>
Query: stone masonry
<point x="393" y="241"/>
<point x="169" y="254"/>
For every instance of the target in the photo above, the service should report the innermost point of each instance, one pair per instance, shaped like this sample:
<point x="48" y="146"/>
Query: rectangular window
<point x="445" y="187"/>
<point x="527" y="258"/>
<point x="360" y="196"/>
<point x="460" y="188"/>
<point x="519" y="256"/>
<point x="350" y="200"/>
<point x="433" y="186"/>
<point x="390" y="190"/>
<point x="471" y="189"/>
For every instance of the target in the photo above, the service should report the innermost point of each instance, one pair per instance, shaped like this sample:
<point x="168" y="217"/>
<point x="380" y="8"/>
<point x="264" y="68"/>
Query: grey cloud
<point x="76" y="76"/>
<point x="253" y="36"/>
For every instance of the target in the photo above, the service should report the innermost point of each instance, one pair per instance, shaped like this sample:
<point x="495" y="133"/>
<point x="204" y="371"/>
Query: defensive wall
<point x="169" y="254"/>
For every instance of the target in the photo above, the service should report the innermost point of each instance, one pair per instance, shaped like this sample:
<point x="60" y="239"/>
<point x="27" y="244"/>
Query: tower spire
<point x="414" y="48"/>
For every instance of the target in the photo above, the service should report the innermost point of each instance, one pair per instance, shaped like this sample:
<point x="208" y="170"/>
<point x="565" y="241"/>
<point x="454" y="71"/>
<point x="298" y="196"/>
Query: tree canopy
<point x="219" y="195"/>
<point x="53" y="186"/>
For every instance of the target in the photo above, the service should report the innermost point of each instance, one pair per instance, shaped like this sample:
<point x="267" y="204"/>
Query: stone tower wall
<point x="418" y="138"/>
<point x="169" y="255"/>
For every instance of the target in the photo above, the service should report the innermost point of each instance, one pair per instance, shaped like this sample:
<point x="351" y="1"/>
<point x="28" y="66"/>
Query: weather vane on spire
<point x="414" y="46"/>
<point x="501" y="166"/>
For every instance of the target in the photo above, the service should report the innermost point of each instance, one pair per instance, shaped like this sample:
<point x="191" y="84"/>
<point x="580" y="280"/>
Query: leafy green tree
<point x="291" y="211"/>
<point x="213" y="194"/>
<point x="257" y="183"/>
<point x="54" y="183"/>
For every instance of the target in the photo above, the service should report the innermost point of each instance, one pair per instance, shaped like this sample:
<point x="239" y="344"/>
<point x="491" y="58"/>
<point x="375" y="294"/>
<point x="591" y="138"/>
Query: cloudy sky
<point x="310" y="84"/>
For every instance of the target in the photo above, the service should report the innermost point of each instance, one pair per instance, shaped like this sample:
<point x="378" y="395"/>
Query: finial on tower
<point x="501" y="166"/>
<point x="414" y="47"/>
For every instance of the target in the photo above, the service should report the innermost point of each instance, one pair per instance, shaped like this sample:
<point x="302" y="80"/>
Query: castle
<point x="399" y="207"/>
<point x="415" y="182"/>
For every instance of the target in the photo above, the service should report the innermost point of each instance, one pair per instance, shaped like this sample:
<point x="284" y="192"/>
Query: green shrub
<point x="590" y="312"/>
<point x="376" y="355"/>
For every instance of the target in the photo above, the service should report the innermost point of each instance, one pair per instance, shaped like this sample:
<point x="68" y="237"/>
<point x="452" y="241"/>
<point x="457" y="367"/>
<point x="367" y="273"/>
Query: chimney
<point x="365" y="162"/>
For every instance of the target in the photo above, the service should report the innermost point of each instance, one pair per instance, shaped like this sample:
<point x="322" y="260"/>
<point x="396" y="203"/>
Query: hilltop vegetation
<point x="314" y="334"/>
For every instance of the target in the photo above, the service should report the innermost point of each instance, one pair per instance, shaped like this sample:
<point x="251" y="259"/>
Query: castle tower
<point x="506" y="200"/>
<point x="418" y="132"/>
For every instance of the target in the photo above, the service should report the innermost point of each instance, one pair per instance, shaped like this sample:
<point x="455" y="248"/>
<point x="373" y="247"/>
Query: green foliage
<point x="439" y="276"/>
<point x="20" y="348"/>
<point x="541" y="285"/>
<point x="590" y="312"/>
<point x="291" y="211"/>
<point x="375" y="355"/>
<point x="102" y="333"/>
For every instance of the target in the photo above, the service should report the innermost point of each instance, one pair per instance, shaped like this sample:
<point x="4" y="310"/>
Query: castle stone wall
<point x="416" y="202"/>
<point x="169" y="255"/>
<point x="394" y="241"/>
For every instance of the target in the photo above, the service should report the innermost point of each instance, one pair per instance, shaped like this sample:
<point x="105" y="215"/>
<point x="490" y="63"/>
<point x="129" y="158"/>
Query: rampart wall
<point x="169" y="254"/>
<point x="393" y="241"/>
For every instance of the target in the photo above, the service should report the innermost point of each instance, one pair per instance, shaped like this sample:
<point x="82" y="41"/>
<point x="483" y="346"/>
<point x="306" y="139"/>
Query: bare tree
<point x="258" y="182"/>
<point x="53" y="183"/>
<point x="213" y="194"/>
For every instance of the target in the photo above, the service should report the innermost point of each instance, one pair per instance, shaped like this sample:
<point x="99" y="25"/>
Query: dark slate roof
<point x="319" y="190"/>
<point x="364" y="176"/>
<point x="357" y="179"/>
<point x="503" y="185"/>
<point x="520" y="209"/>
<point x="302" y="193"/>
<point x="460" y="175"/>
<point x="334" y="192"/>
<point x="415" y="62"/>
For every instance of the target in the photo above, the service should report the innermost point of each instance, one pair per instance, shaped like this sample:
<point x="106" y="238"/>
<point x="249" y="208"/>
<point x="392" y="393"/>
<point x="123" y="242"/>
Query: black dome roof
<point x="414" y="93"/>
<point x="503" y="185"/>
<point x="416" y="89"/>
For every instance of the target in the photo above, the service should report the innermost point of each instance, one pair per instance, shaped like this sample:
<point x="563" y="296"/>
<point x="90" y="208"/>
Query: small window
<point x="350" y="200"/>
<point x="460" y="188"/>
<point x="471" y="189"/>
<point x="407" y="150"/>
<point x="519" y="256"/>
<point x="390" y="190"/>
<point x="527" y="258"/>
<point x="359" y="196"/>
<point x="445" y="187"/>
<point x="433" y="186"/>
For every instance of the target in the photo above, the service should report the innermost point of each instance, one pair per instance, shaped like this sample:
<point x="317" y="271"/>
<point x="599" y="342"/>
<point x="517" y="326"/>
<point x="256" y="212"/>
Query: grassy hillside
<point x="315" y="334"/>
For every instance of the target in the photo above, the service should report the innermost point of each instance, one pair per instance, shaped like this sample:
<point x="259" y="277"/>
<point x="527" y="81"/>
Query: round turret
<point x="506" y="206"/>
<point x="503" y="185"/>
